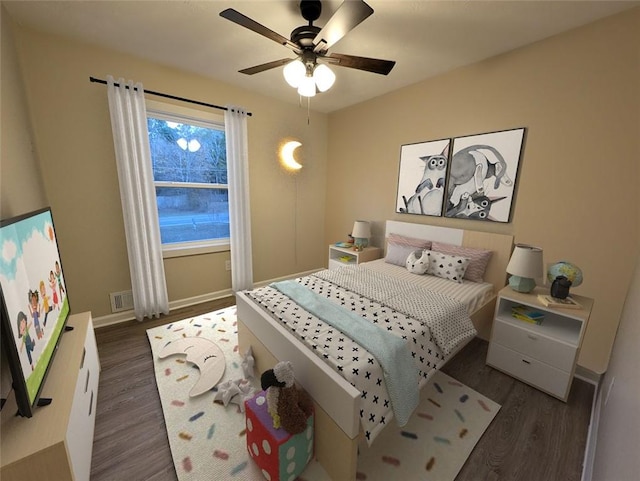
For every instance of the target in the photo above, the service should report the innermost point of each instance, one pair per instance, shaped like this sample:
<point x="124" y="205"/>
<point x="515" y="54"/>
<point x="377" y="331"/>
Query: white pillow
<point x="478" y="258"/>
<point x="418" y="261"/>
<point x="399" y="247"/>
<point x="448" y="266"/>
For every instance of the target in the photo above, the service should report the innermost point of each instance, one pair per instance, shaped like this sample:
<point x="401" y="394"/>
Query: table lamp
<point x="524" y="266"/>
<point x="361" y="233"/>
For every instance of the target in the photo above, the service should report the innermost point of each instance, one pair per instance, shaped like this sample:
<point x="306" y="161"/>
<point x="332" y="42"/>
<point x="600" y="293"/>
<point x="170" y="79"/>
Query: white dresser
<point x="56" y="442"/>
<point x="544" y="355"/>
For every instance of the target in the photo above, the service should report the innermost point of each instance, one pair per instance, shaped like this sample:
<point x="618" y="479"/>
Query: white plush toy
<point x="418" y="261"/>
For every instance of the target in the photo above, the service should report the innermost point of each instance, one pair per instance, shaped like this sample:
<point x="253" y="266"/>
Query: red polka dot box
<point x="281" y="456"/>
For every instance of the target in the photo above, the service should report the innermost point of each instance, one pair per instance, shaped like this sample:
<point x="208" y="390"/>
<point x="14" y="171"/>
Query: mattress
<point x="472" y="294"/>
<point x="350" y="359"/>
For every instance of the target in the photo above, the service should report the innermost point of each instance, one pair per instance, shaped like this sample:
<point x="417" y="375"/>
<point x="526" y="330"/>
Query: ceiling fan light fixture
<point x="294" y="72"/>
<point x="312" y="43"/>
<point x="307" y="87"/>
<point x="323" y="77"/>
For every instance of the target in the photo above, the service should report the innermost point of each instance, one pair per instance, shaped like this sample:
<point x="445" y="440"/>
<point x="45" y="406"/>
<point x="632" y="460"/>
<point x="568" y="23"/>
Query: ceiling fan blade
<point x="374" y="65"/>
<point x="348" y="16"/>
<point x="266" y="66"/>
<point x="246" y="22"/>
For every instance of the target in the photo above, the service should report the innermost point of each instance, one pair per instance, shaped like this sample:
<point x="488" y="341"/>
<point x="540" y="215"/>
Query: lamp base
<point x="522" y="284"/>
<point x="360" y="243"/>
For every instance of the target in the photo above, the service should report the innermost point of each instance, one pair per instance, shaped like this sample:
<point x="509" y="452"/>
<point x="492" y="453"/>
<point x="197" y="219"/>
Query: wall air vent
<point x="121" y="301"/>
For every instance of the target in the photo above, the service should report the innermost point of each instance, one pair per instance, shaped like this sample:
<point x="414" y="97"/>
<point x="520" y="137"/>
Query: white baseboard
<point x="594" y="378"/>
<point x="124" y="316"/>
<point x="592" y="435"/>
<point x="588" y="375"/>
<point x="292" y="276"/>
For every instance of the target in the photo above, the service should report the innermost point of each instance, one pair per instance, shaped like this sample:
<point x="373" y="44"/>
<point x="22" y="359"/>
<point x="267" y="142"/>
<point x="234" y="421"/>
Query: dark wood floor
<point x="533" y="437"/>
<point x="130" y="440"/>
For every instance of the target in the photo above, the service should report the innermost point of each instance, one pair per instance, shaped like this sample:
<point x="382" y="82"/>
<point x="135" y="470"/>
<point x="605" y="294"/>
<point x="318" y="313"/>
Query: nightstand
<point x="341" y="256"/>
<point x="543" y="355"/>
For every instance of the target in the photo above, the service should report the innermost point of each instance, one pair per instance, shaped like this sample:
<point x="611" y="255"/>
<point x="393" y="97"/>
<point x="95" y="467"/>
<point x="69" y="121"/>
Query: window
<point x="189" y="160"/>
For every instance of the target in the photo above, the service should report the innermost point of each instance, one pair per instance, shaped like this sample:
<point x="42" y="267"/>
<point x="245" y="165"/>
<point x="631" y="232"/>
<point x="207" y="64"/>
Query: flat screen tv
<point x="35" y="305"/>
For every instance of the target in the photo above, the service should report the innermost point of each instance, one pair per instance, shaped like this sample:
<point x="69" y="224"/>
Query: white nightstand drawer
<point x="533" y="344"/>
<point x="529" y="370"/>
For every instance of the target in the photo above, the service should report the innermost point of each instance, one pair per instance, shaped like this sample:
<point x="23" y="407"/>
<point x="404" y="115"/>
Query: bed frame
<point x="337" y="422"/>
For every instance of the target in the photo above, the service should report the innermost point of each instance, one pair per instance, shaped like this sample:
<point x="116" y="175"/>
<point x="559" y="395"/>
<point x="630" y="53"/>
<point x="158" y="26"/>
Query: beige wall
<point x="618" y="433"/>
<point x="578" y="96"/>
<point x="21" y="190"/>
<point x="72" y="131"/>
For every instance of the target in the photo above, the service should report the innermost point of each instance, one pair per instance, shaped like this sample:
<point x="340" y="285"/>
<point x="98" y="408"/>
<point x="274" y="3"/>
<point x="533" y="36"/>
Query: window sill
<point x="193" y="250"/>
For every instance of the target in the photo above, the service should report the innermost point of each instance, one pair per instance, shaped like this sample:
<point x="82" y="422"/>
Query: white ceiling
<point x="425" y="38"/>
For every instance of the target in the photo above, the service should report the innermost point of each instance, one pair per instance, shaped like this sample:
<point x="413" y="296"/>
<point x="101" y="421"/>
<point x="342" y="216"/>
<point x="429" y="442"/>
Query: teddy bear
<point x="288" y="406"/>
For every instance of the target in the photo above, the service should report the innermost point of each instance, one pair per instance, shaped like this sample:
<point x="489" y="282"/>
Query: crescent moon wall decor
<point x="287" y="159"/>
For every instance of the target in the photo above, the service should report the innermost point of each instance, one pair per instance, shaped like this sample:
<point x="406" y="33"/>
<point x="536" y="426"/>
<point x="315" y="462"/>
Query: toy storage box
<point x="281" y="456"/>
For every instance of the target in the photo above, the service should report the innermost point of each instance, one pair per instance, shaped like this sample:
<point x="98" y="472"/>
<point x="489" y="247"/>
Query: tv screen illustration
<point x="35" y="305"/>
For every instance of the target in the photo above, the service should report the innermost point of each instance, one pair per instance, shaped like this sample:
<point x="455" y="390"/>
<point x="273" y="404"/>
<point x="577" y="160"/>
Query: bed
<point x="337" y="399"/>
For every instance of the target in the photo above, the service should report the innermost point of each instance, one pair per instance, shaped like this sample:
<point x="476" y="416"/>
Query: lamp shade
<point x="294" y="72"/>
<point x="525" y="266"/>
<point x="307" y="87"/>
<point x="324" y="77"/>
<point x="361" y="230"/>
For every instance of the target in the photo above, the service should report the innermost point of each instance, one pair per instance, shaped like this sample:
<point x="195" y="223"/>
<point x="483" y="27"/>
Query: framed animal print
<point x="482" y="175"/>
<point x="422" y="176"/>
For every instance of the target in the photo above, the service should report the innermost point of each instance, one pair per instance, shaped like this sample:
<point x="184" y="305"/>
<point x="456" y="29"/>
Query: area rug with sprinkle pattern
<point x="207" y="432"/>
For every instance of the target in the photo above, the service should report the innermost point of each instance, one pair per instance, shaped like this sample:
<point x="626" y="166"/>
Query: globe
<point x="567" y="269"/>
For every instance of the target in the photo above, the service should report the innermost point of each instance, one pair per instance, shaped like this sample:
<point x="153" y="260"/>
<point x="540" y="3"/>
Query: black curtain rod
<point x="167" y="96"/>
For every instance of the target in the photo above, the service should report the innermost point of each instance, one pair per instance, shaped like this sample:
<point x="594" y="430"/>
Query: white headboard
<point x="425" y="231"/>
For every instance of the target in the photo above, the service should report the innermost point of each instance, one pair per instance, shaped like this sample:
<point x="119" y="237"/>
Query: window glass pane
<point x="192" y="214"/>
<point x="181" y="152"/>
<point x="189" y="150"/>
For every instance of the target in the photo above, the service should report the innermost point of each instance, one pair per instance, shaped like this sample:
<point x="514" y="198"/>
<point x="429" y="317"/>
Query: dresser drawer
<point x="529" y="370"/>
<point x="530" y="343"/>
<point x="82" y="419"/>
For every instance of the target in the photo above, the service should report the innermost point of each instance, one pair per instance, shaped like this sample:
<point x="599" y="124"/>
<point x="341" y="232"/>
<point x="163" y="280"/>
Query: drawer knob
<point x="526" y="362"/>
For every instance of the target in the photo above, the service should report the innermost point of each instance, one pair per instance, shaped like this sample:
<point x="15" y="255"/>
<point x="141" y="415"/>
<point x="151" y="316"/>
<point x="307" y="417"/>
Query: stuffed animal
<point x="418" y="261"/>
<point x="289" y="406"/>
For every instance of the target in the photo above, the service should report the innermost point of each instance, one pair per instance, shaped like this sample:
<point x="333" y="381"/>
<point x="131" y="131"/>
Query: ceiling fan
<point x="309" y="72"/>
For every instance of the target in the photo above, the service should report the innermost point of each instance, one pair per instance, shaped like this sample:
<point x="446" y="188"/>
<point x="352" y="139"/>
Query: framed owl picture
<point x="482" y="175"/>
<point x="422" y="176"/>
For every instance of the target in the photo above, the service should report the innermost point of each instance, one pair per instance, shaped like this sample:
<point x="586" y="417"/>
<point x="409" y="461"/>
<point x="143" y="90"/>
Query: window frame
<point x="200" y="118"/>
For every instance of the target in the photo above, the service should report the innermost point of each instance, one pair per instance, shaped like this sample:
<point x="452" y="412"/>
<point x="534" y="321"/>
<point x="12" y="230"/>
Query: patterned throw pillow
<point x="478" y="258"/>
<point x="418" y="261"/>
<point x="448" y="267"/>
<point x="399" y="247"/>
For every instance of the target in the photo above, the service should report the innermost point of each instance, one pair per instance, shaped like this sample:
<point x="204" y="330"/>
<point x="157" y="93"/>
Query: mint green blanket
<point x="400" y="372"/>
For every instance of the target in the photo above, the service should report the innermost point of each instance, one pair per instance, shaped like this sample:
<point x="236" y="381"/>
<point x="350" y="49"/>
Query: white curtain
<point x="235" y="122"/>
<point x="138" y="196"/>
